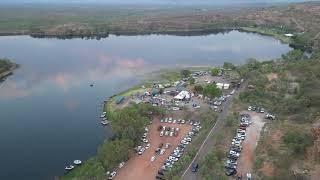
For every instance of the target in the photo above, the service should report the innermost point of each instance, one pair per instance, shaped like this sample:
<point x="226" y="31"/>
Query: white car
<point x="153" y="158"/>
<point x="232" y="92"/>
<point x="162" y="151"/>
<point x="145" y="140"/>
<point x="144" y="135"/>
<point x="112" y="175"/>
<point x="183" y="121"/>
<point x="141" y="151"/>
<point x="177" y="129"/>
<point x="248" y="176"/>
<point x="197" y="107"/>
<point x="166" y="133"/>
<point x="175" y="109"/>
<point x="174" y="121"/>
<point x="170" y="121"/>
<point x="249" y="108"/>
<point x="161" y="133"/>
<point x="167" y="146"/>
<point x="147" y="146"/>
<point x="171" y="134"/>
<point x="121" y="165"/>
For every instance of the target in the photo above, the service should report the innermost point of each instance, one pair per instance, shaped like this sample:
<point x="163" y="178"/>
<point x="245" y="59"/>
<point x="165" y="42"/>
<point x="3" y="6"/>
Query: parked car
<point x="112" y="175"/>
<point x="248" y="176"/>
<point x="166" y="133"/>
<point x="194" y="167"/>
<point x="231" y="172"/>
<point x="147" y="146"/>
<point x="153" y="158"/>
<point x="230" y="166"/>
<point x="121" y="164"/>
<point x="161" y="133"/>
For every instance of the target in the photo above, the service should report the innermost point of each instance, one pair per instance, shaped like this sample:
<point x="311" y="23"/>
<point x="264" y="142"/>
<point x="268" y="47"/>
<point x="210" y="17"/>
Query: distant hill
<point x="178" y="2"/>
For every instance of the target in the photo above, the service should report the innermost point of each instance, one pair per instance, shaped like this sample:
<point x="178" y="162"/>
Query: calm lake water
<point x="49" y="115"/>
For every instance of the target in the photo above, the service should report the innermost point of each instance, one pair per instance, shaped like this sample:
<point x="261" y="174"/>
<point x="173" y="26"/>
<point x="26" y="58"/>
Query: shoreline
<point x="182" y="32"/>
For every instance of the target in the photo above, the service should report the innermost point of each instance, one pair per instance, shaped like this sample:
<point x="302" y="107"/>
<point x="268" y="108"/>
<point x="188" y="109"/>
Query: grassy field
<point x="269" y="32"/>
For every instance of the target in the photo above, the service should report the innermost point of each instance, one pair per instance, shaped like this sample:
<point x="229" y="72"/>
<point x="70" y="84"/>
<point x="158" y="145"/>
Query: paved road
<point x="209" y="142"/>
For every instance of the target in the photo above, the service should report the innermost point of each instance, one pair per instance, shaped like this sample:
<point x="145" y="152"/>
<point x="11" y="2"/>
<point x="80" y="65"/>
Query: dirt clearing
<point x="247" y="157"/>
<point x="272" y="76"/>
<point x="140" y="166"/>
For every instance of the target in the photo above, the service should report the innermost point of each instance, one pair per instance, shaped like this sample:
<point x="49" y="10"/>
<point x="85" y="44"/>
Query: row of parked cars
<point x="169" y="131"/>
<point x="145" y="142"/>
<point x="112" y="174"/>
<point x="262" y="110"/>
<point x="256" y="109"/>
<point x="178" y="151"/>
<point x="179" y="121"/>
<point x="236" y="145"/>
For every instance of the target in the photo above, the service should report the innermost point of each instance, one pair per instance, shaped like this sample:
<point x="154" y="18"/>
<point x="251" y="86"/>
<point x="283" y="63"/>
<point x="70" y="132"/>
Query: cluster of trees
<point x="128" y="126"/>
<point x="212" y="166"/>
<point x="5" y="65"/>
<point x="215" y="71"/>
<point x="185" y="73"/>
<point x="210" y="90"/>
<point x="297" y="141"/>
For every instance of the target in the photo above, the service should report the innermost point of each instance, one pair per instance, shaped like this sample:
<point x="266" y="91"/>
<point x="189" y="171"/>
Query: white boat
<point x="103" y="115"/>
<point x="69" y="168"/>
<point x="105" y="122"/>
<point x="77" y="162"/>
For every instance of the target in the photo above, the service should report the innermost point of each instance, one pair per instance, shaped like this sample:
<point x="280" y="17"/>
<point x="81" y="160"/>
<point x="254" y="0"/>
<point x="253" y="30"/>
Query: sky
<point x="152" y="1"/>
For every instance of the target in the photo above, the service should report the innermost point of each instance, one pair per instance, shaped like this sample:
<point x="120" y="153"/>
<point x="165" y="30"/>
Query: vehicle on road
<point x="194" y="167"/>
<point x="248" y="176"/>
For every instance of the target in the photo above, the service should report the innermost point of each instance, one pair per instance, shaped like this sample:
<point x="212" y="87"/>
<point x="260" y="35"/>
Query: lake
<point x="49" y="115"/>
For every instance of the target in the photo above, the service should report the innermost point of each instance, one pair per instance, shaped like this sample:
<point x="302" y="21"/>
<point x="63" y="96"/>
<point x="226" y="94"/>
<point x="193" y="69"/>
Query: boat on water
<point x="69" y="168"/>
<point x="103" y="115"/>
<point x="77" y="162"/>
<point x="105" y="122"/>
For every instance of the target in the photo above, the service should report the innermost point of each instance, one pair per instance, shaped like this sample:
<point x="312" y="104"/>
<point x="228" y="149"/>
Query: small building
<point x="119" y="99"/>
<point x="220" y="85"/>
<point x="183" y="95"/>
<point x="226" y="86"/>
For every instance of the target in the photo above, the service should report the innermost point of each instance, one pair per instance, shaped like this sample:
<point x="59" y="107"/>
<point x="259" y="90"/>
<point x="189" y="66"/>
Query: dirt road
<point x="247" y="157"/>
<point x="209" y="142"/>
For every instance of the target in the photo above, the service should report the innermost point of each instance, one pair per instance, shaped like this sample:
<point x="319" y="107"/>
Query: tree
<point x="227" y="65"/>
<point x="212" y="90"/>
<point x="110" y="154"/>
<point x="295" y="55"/>
<point x="215" y="71"/>
<point x="192" y="80"/>
<point x="297" y="141"/>
<point x="198" y="89"/>
<point x="185" y="73"/>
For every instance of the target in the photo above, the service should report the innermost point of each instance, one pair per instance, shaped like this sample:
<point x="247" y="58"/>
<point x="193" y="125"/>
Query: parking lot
<point x="247" y="158"/>
<point x="141" y="166"/>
